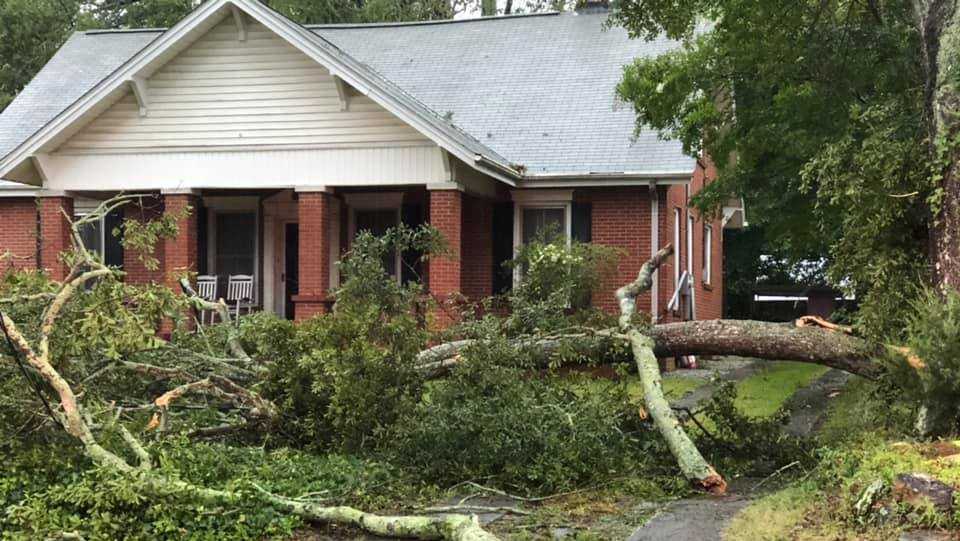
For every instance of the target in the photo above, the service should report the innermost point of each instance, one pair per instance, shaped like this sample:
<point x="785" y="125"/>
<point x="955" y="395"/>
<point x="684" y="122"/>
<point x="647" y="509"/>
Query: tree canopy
<point x="813" y="111"/>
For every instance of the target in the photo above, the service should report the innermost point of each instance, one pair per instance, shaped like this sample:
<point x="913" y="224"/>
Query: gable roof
<point x="518" y="97"/>
<point x="538" y="89"/>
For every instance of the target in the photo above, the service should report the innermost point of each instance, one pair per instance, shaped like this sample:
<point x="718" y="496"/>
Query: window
<point x="677" y="223"/>
<point x="539" y="221"/>
<point x="236" y="244"/>
<point x="377" y="222"/>
<point x="91" y="234"/>
<point x="690" y="223"/>
<point x="707" y="252"/>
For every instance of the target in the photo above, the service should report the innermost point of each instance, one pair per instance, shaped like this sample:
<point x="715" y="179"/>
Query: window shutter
<point x="411" y="215"/>
<point x="582" y="217"/>
<point x="112" y="250"/>
<point x="502" y="246"/>
<point x="202" y="238"/>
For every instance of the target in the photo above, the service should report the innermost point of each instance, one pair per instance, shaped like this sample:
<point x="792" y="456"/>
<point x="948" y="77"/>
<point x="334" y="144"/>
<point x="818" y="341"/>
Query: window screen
<point x="91" y="234"/>
<point x="537" y="221"/>
<point x="236" y="244"/>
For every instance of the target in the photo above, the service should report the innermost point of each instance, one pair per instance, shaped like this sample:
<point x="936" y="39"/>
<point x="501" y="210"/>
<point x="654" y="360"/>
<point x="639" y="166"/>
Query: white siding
<point x="246" y="168"/>
<point x="222" y="92"/>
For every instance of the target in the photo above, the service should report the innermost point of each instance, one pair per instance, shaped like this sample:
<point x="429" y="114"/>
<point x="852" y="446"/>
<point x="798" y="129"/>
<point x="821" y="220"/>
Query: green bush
<point x="933" y="335"/>
<point x="557" y="279"/>
<point x="495" y="419"/>
<point x="343" y="378"/>
<point x="746" y="443"/>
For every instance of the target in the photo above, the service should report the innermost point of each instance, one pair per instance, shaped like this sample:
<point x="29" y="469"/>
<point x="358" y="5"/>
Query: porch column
<point x="55" y="232"/>
<point x="446" y="215"/>
<point x="180" y="253"/>
<point x="315" y="213"/>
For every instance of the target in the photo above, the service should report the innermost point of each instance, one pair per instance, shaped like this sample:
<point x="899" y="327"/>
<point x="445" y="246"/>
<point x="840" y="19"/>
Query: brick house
<point x="286" y="140"/>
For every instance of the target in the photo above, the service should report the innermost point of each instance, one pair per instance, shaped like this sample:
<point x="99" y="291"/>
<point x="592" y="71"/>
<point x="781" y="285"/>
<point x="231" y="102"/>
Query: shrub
<point x="556" y="278"/>
<point x="745" y="442"/>
<point x="494" y="419"/>
<point x="933" y="335"/>
<point x="345" y="377"/>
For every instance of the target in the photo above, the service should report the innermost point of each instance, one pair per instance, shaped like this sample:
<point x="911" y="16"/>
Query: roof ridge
<point x="94" y="31"/>
<point x="325" y="26"/>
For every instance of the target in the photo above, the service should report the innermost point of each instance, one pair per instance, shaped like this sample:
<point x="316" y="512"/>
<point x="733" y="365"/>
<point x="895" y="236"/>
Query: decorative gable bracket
<point x="139" y="87"/>
<point x="343" y="92"/>
<point x="241" y="23"/>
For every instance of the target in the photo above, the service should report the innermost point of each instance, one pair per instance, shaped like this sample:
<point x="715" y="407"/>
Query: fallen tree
<point x="808" y="339"/>
<point x="228" y="380"/>
<point x="77" y="421"/>
<point x="757" y="339"/>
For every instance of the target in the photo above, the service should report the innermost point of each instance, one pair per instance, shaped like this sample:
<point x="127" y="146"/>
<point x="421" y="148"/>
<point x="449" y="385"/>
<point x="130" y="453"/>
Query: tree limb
<point x="688" y="457"/>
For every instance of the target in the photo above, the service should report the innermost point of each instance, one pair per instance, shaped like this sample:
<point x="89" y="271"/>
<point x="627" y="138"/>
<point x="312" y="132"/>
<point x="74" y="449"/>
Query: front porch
<point x="290" y="240"/>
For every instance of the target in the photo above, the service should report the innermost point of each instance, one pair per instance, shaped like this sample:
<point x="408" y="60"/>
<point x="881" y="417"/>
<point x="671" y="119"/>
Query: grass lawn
<point x="862" y="441"/>
<point x="763" y="393"/>
<point x="673" y="387"/>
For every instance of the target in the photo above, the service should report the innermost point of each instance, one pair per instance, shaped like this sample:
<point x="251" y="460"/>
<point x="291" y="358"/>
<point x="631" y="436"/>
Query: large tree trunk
<point x="939" y="25"/>
<point x="773" y="341"/>
<point x="745" y="338"/>
<point x="938" y="22"/>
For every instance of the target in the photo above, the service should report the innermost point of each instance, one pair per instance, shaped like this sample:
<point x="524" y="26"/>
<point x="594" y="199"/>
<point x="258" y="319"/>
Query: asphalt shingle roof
<point x="538" y="90"/>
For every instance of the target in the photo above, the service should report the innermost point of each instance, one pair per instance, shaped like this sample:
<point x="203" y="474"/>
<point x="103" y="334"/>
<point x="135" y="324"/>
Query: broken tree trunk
<point x="773" y="341"/>
<point x="694" y="467"/>
<point x="744" y="338"/>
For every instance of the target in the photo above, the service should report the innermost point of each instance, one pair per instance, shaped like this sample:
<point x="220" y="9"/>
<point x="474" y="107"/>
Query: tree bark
<point x="772" y="341"/>
<point x="938" y="22"/>
<point x="694" y="467"/>
<point x="746" y="338"/>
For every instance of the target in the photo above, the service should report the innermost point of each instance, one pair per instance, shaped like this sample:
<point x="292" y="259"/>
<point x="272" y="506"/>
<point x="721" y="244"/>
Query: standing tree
<point x="813" y="112"/>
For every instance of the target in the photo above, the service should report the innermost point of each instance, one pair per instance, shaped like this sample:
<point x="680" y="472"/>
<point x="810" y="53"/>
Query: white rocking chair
<point x="207" y="290"/>
<point x="240" y="293"/>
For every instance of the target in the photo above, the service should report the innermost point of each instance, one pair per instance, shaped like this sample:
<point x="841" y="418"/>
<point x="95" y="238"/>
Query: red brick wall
<point x="180" y="252"/>
<point x="620" y="217"/>
<point x="18" y="232"/>
<point x="446" y="215"/>
<point x="709" y="297"/>
<point x="476" y="274"/>
<point x="137" y="273"/>
<point x="55" y="234"/>
<point x="314" y="210"/>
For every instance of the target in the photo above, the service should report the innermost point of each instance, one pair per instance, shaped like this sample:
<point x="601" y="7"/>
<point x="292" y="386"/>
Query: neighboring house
<point x="287" y="140"/>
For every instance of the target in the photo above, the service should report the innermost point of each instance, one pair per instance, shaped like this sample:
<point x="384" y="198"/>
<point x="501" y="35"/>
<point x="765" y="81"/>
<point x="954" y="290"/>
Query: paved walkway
<point x="704" y="518"/>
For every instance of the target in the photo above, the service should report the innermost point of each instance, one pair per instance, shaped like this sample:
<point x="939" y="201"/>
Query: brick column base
<point x="314" y="215"/>
<point x="180" y="253"/>
<point x="446" y="215"/>
<point x="55" y="234"/>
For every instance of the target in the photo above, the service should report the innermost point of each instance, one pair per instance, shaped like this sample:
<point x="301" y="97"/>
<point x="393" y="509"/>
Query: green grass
<point x="763" y="393"/>
<point x="673" y="387"/>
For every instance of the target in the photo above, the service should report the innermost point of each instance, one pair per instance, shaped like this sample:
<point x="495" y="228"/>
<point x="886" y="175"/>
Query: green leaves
<point x="820" y="102"/>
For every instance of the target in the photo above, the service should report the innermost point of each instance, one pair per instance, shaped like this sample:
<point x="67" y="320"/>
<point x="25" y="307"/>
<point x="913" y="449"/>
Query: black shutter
<point x="502" y="246"/>
<point x="202" y="239"/>
<point x="581" y="222"/>
<point x="113" y="249"/>
<point x="412" y="216"/>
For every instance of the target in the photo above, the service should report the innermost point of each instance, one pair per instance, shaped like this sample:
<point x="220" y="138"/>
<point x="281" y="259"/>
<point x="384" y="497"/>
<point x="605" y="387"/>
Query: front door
<point x="291" y="266"/>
